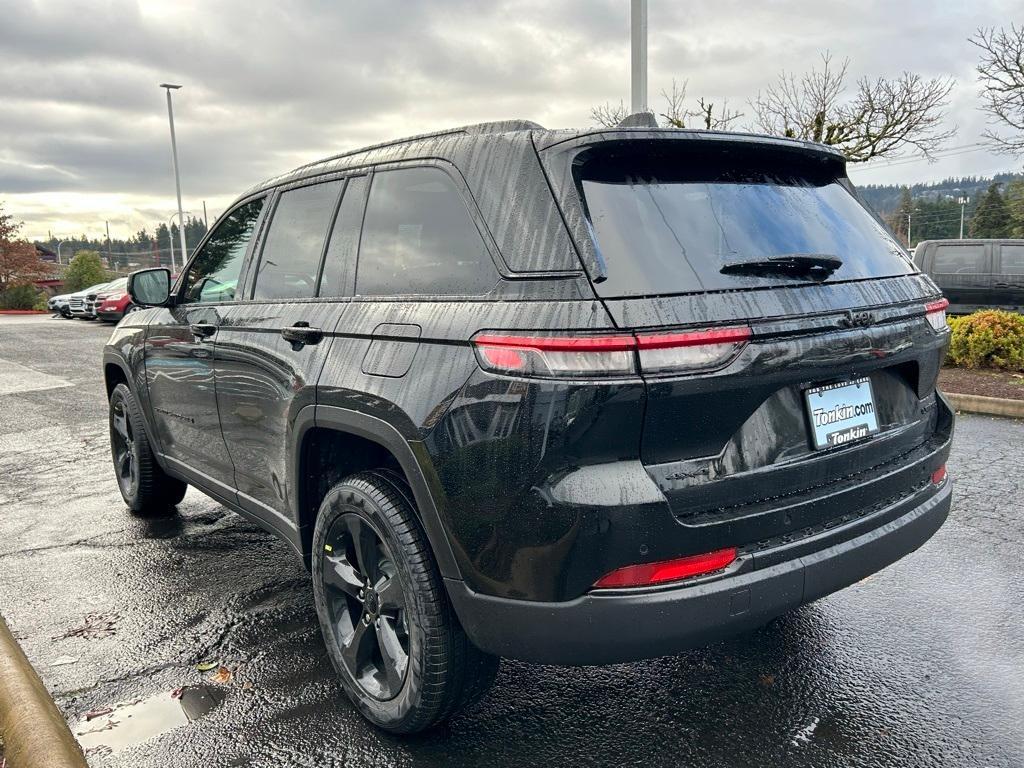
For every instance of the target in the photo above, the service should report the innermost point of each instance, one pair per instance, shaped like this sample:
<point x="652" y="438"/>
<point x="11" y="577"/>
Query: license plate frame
<point x="841" y="413"/>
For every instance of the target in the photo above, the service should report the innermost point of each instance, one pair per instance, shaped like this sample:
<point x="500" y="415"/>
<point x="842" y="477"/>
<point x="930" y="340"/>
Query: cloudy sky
<point x="271" y="85"/>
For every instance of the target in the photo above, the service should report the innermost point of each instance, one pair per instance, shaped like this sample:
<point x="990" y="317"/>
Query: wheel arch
<point x="113" y="374"/>
<point x="378" y="441"/>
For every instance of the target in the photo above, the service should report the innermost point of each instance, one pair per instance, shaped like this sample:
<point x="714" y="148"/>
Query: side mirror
<point x="150" y="287"/>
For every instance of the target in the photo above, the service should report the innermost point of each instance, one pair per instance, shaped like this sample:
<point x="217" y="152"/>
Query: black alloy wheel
<point x="145" y="487"/>
<point x="402" y="657"/>
<point x="367" y="606"/>
<point x="125" y="449"/>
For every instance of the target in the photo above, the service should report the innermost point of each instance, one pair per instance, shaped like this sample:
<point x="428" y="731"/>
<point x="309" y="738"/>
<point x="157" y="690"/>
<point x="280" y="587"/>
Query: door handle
<point x="203" y="330"/>
<point x="301" y="334"/>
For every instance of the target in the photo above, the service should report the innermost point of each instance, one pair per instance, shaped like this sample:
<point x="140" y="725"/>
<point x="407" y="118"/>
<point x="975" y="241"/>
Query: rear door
<point x="272" y="345"/>
<point x="1009" y="279"/>
<point x="781" y="330"/>
<point x="964" y="272"/>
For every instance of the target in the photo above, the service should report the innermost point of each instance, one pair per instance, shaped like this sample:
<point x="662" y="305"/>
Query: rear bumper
<point x="632" y="624"/>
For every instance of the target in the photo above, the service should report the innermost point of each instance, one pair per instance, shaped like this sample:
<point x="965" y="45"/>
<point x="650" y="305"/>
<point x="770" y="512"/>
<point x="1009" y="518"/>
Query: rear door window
<point x="290" y="262"/>
<point x="1011" y="258"/>
<point x="952" y="259"/>
<point x="667" y="219"/>
<point x="420" y="239"/>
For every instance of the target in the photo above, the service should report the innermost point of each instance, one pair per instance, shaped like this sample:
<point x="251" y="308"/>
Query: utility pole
<point x="110" y="262"/>
<point x="963" y="204"/>
<point x="205" y="222"/>
<point x="909" y="241"/>
<point x="177" y="178"/>
<point x="638" y="72"/>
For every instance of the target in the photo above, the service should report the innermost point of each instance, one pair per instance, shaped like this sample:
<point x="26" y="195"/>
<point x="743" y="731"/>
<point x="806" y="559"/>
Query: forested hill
<point x="885" y="198"/>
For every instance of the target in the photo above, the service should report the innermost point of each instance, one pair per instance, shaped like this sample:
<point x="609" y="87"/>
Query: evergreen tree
<point x="903" y="212"/>
<point x="1015" y="207"/>
<point x="992" y="217"/>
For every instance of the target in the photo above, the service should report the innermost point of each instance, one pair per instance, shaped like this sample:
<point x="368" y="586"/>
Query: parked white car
<point x="59" y="304"/>
<point x="78" y="301"/>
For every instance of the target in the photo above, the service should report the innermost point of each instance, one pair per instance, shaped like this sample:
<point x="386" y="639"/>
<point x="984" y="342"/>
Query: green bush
<point x="20" y="296"/>
<point x="85" y="269"/>
<point x="989" y="339"/>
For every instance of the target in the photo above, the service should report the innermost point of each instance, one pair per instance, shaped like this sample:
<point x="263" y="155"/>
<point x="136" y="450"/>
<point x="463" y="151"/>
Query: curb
<point x="34" y="730"/>
<point x="989" y="406"/>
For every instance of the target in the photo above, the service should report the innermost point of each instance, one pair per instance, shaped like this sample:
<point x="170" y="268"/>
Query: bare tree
<point x="883" y="117"/>
<point x="675" y="113"/>
<point x="1001" y="74"/>
<point x="608" y="114"/>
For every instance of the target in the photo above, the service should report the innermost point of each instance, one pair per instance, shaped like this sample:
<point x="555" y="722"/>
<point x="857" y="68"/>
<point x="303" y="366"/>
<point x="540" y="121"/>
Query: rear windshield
<point x="667" y="219"/>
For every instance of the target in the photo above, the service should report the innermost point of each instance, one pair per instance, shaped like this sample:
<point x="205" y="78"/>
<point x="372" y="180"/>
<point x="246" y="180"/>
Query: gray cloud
<point x="272" y="85"/>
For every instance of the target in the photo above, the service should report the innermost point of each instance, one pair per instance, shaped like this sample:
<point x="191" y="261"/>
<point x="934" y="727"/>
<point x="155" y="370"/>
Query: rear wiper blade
<point x="813" y="265"/>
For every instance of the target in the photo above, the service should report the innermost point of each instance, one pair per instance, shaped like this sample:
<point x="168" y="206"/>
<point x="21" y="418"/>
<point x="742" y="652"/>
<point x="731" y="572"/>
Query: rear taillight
<point x="936" y="314"/>
<point x="664" y="571"/>
<point x="939" y="475"/>
<point x="619" y="354"/>
<point x="556" y="355"/>
<point x="690" y="351"/>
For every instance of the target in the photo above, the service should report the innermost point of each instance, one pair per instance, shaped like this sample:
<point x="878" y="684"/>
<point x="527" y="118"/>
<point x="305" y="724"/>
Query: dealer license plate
<point x="841" y="413"/>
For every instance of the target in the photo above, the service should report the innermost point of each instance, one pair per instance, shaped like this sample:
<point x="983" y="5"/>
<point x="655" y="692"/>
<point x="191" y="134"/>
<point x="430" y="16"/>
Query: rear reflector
<point x="939" y="475"/>
<point x="936" y="314"/>
<point x="619" y="354"/>
<point x="667" y="570"/>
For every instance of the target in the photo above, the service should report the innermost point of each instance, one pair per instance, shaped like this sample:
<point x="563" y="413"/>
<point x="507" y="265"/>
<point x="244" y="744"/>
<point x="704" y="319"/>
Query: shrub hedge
<point x="21" y="296"/>
<point x="989" y="339"/>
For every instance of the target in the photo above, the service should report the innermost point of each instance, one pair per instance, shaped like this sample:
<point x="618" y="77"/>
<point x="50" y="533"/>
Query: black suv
<point x="573" y="397"/>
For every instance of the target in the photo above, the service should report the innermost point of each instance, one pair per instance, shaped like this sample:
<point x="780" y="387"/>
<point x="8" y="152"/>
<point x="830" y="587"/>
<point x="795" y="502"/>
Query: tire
<point x="144" y="486"/>
<point x="401" y="609"/>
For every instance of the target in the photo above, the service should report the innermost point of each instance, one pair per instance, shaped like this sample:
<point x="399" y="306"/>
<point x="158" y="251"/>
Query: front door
<point x="179" y="354"/>
<point x="271" y="348"/>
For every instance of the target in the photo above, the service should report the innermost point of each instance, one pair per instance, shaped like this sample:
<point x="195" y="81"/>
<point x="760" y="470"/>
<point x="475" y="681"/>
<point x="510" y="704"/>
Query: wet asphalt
<point x="919" y="665"/>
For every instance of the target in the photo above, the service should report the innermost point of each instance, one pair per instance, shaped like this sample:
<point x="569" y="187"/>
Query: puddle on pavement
<point x="137" y="721"/>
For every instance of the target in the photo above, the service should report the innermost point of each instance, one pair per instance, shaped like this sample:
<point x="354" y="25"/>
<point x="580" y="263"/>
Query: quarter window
<point x="1012" y="259"/>
<point x="290" y="261"/>
<point x="419" y="238"/>
<point x="213" y="274"/>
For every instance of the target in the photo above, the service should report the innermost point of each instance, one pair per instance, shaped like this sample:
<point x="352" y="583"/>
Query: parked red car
<point x="113" y="303"/>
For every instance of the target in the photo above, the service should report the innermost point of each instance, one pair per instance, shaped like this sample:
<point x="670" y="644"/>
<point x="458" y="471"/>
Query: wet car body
<point x="531" y="488"/>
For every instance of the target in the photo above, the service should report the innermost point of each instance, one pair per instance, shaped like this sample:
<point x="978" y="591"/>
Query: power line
<point x="964" y="149"/>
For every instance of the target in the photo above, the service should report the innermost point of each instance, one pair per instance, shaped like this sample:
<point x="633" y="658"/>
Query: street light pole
<point x="177" y="178"/>
<point x="170" y="235"/>
<point x="638" y="70"/>
<point x="59" y="244"/>
<point x="963" y="203"/>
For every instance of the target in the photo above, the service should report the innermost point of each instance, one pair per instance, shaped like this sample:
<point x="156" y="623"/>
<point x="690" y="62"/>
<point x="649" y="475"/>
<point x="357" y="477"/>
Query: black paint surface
<point x="920" y="665"/>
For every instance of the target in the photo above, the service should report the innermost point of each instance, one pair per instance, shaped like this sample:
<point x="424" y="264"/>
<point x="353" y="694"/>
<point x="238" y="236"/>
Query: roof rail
<point x="502" y="126"/>
<point x="496" y="126"/>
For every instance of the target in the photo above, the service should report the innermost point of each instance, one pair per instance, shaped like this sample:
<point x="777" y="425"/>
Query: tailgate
<point x="733" y="449"/>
